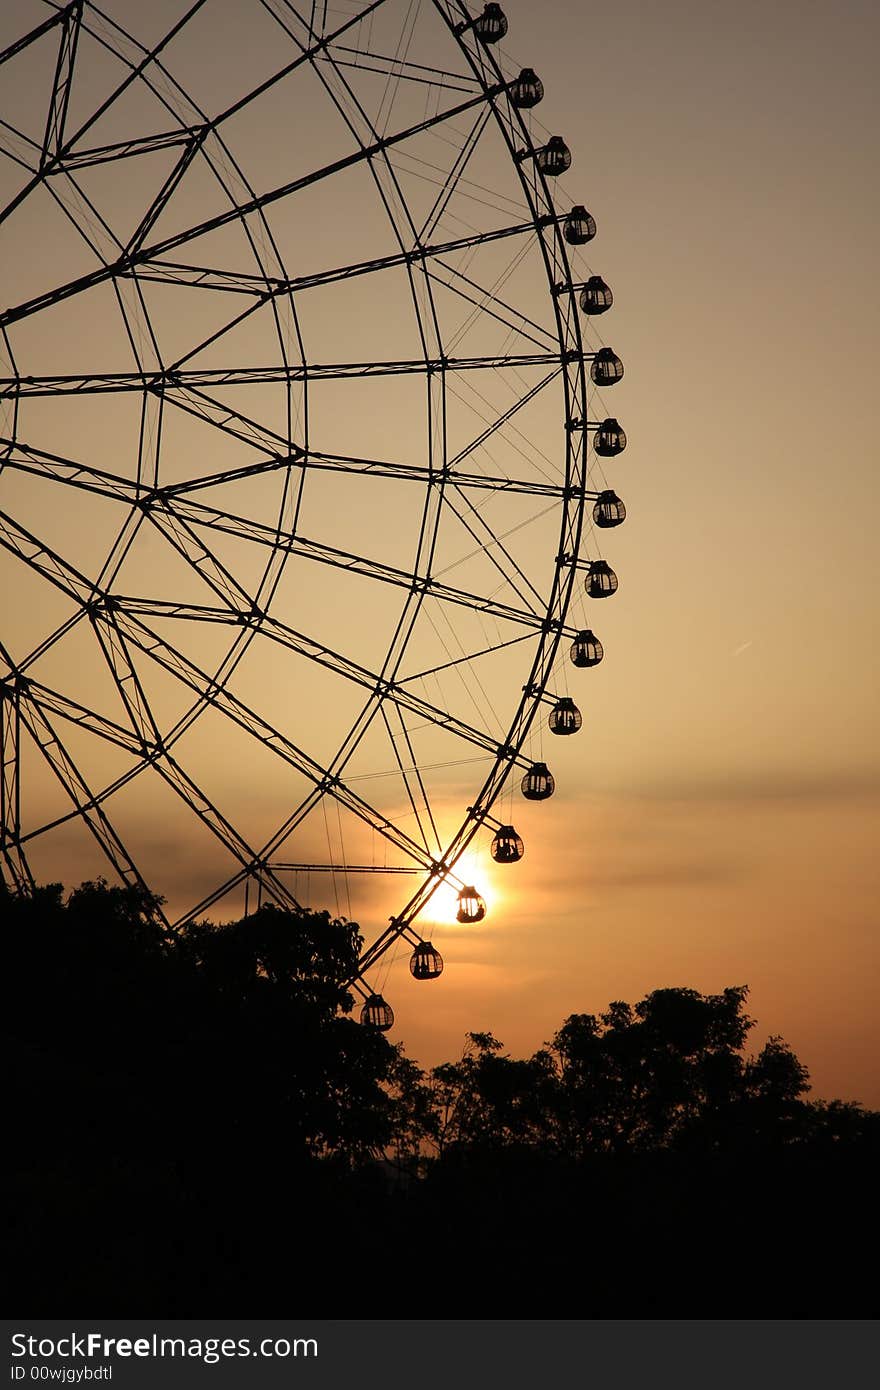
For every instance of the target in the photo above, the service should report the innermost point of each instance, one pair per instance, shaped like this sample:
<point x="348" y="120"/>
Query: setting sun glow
<point x="471" y="871"/>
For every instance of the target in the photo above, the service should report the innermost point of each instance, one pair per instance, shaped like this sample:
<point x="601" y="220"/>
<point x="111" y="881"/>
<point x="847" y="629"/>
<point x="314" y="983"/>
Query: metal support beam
<point x="16" y="868"/>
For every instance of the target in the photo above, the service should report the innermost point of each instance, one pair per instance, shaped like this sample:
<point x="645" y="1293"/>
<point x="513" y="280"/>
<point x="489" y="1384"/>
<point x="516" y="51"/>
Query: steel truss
<point x="194" y="516"/>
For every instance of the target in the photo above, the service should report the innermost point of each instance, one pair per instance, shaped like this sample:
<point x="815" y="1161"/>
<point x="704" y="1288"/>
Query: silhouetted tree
<point x="294" y="1060"/>
<point x="230" y="1023"/>
<point x="645" y="1077"/>
<point x="415" y="1118"/>
<point x="197" y="1116"/>
<point x="668" y="1073"/>
<point x="489" y="1100"/>
<point x="174" y="1094"/>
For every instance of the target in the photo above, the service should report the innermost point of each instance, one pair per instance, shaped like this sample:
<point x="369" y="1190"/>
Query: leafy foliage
<point x="667" y="1074"/>
<point x="216" y="1034"/>
<point x="200" y="1112"/>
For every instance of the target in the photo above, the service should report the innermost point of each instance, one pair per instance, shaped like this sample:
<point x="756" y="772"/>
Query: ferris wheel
<point x="301" y="440"/>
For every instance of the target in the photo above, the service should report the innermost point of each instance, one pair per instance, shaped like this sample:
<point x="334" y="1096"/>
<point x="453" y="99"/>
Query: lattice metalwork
<point x="296" y="402"/>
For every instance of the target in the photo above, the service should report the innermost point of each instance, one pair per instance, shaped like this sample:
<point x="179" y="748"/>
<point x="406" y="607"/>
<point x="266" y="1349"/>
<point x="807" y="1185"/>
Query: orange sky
<point x="716" y="818"/>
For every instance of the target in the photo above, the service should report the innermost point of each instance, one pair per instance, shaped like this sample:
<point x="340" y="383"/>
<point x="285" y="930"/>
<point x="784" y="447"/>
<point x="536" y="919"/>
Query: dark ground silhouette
<point x="198" y="1129"/>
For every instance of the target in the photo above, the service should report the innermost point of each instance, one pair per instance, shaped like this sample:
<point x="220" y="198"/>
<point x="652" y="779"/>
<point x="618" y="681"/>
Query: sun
<point x="473" y="871"/>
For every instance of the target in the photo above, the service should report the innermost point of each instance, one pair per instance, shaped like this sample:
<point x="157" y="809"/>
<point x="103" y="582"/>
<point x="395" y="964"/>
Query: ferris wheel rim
<point x="552" y="626"/>
<point x="552" y="636"/>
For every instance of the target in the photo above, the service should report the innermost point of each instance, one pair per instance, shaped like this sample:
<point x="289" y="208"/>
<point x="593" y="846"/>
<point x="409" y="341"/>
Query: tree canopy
<point x="669" y="1072"/>
<point x="200" y="1110"/>
<point x="247" y="1021"/>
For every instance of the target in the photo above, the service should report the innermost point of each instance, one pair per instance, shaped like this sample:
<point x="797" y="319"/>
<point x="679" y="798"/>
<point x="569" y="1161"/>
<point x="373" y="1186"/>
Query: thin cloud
<point x="842" y="785"/>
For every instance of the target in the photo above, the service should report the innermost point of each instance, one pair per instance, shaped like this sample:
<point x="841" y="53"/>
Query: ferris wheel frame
<point x="123" y="627"/>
